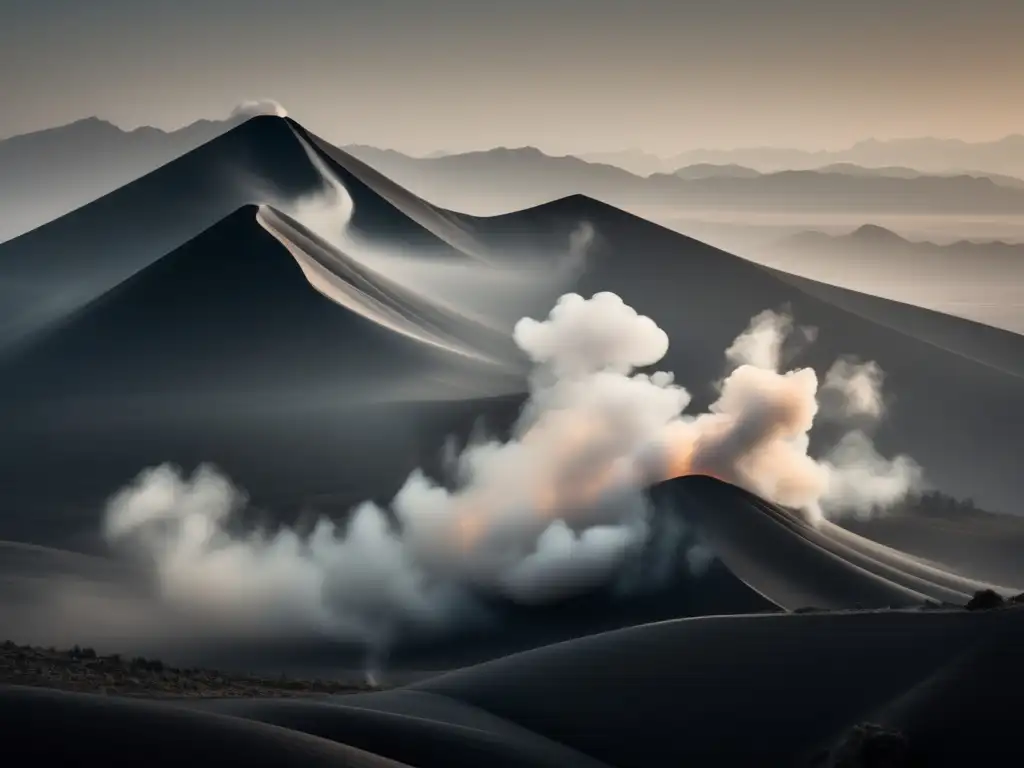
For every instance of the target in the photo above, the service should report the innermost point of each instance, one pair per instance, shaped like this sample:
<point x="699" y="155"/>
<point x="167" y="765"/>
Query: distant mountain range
<point x="502" y="179"/>
<point x="46" y="174"/>
<point x="977" y="279"/>
<point x="928" y="155"/>
<point x="873" y="239"/>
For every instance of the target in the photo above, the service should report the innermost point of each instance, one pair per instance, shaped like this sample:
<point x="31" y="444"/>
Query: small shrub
<point x="985" y="600"/>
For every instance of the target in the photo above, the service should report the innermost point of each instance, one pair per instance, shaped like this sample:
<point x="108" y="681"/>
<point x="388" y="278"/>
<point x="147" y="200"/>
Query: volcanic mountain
<point x="169" y="294"/>
<point x="270" y="304"/>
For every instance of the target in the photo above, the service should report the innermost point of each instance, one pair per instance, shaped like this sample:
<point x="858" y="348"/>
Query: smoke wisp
<point x="257" y="107"/>
<point x="559" y="507"/>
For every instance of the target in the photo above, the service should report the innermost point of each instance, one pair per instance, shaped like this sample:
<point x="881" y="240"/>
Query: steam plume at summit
<point x="257" y="107"/>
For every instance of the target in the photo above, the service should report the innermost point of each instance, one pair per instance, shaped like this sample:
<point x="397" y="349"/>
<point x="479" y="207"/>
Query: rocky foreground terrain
<point x="82" y="669"/>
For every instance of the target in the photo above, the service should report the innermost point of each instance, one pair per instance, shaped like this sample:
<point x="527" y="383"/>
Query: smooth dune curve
<point x="799" y="565"/>
<point x="82" y="729"/>
<point x="787" y="683"/>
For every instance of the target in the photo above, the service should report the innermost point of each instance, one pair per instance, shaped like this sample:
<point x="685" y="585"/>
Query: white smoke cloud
<point x="557" y="508"/>
<point x="257" y="107"/>
<point x="856" y="387"/>
<point x="583" y="336"/>
<point x="567" y="559"/>
<point x="757" y="432"/>
<point x="344" y="582"/>
<point x="861" y="481"/>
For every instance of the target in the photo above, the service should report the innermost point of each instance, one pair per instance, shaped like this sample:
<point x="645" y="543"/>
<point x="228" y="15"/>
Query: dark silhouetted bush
<point x="985" y="600"/>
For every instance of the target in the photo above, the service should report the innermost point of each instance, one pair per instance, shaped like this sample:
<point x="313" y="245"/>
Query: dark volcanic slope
<point x="229" y="312"/>
<point x="71" y="260"/>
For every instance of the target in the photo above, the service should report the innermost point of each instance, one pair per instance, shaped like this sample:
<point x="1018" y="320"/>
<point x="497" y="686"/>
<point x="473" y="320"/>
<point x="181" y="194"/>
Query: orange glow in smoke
<point x="679" y="461"/>
<point x="559" y="492"/>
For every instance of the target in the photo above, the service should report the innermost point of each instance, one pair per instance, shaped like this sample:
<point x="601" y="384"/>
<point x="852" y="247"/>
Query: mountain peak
<point x="875" y="233"/>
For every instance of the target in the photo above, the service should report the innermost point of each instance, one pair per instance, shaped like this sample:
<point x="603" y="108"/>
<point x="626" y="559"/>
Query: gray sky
<point x="564" y="75"/>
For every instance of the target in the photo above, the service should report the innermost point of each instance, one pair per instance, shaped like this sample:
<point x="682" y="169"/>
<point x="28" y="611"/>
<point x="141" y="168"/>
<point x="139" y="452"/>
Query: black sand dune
<point x="399" y="305"/>
<point x="418" y="728"/>
<point x="988" y="546"/>
<point x="764" y="690"/>
<point x="742" y="690"/>
<point x="796" y="565"/>
<point x="964" y="712"/>
<point x="80" y="729"/>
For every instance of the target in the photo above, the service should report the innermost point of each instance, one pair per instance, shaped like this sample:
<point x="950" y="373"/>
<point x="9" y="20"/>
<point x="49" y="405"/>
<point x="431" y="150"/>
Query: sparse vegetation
<point x="84" y="670"/>
<point x="982" y="600"/>
<point x="937" y="504"/>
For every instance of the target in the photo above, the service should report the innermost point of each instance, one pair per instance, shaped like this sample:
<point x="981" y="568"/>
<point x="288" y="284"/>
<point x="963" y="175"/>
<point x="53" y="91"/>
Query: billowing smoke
<point x="756" y="434"/>
<point x="557" y="508"/>
<point x="257" y="107"/>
